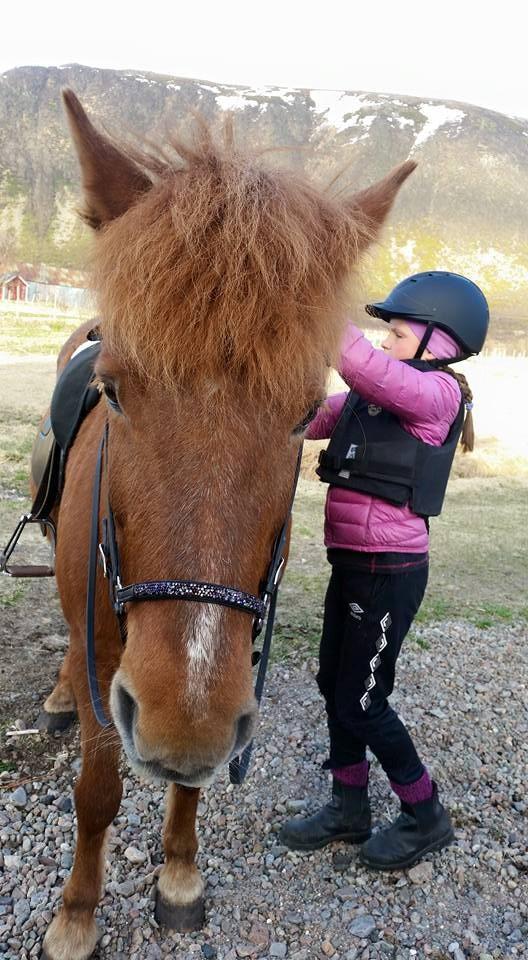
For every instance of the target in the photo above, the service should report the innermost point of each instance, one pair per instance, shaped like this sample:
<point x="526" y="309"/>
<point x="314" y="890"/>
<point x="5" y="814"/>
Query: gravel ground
<point x="462" y="692"/>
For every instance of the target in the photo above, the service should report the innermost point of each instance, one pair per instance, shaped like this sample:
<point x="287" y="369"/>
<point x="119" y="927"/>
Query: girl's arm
<point x="415" y="396"/>
<point x="326" y="417"/>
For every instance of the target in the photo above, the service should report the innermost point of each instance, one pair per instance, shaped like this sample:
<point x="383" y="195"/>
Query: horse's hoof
<point x="55" y="722"/>
<point x="70" y="939"/>
<point x="181" y="917"/>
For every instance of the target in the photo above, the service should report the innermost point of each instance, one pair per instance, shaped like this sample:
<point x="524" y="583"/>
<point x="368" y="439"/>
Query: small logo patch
<point x="373" y="410"/>
<point x="356" y="611"/>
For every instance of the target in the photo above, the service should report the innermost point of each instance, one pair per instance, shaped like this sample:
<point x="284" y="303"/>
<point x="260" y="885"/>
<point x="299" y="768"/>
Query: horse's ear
<point x="111" y="180"/>
<point x="372" y="205"/>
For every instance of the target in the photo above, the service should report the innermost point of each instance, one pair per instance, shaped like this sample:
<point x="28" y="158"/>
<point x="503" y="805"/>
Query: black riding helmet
<point x="439" y="299"/>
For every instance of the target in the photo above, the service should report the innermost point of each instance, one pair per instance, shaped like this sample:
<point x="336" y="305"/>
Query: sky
<point x="474" y="52"/>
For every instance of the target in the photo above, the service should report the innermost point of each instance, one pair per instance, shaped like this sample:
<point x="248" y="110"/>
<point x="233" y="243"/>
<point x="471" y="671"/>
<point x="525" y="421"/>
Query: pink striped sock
<point x="355" y="775"/>
<point x="416" y="792"/>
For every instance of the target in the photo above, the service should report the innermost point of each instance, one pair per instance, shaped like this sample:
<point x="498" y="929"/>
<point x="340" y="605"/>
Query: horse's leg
<point x="60" y="708"/>
<point x="73" y="934"/>
<point x="179" y="899"/>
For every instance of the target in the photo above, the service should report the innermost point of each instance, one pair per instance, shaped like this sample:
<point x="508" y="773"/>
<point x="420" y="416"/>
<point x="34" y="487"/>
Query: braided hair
<point x="467" y="438"/>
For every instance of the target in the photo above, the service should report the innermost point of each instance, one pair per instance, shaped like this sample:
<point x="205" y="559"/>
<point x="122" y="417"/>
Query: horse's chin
<point x="157" y="773"/>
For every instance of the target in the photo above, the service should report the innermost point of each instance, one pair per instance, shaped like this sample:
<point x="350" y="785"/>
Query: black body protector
<point x="370" y="451"/>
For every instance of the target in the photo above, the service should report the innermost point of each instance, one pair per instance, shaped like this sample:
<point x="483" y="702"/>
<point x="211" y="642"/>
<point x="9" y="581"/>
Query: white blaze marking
<point x="201" y="646"/>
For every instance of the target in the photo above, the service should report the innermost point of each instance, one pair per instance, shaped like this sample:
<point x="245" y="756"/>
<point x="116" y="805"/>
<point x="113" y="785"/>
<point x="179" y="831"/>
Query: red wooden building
<point x="13" y="287"/>
<point x="32" y="283"/>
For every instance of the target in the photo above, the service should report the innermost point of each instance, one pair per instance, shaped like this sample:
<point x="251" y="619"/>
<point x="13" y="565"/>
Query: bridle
<point x="105" y="551"/>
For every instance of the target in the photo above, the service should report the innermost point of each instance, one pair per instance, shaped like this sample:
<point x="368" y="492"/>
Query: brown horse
<point x="220" y="284"/>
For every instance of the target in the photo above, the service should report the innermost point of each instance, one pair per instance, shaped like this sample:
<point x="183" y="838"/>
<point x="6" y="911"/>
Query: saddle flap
<point x="73" y="397"/>
<point x="41" y="450"/>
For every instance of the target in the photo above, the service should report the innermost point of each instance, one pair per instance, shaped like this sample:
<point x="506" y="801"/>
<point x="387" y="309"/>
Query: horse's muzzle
<point x="186" y="770"/>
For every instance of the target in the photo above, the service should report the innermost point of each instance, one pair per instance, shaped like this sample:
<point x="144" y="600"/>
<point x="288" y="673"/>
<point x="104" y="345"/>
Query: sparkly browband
<point x="192" y="590"/>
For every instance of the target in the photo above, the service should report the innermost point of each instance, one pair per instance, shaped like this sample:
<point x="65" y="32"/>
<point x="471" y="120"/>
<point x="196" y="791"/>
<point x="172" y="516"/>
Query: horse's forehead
<point x="110" y="365"/>
<point x="107" y="363"/>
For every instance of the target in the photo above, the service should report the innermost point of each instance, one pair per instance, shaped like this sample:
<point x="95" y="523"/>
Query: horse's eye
<point x="306" y="421"/>
<point x="111" y="395"/>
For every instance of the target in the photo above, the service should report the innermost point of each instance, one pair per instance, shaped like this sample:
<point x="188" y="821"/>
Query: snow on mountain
<point x="345" y="111"/>
<point x="437" y="115"/>
<point x="465" y="208"/>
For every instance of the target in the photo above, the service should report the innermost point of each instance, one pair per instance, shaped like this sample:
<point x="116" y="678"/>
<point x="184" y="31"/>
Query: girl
<point x="393" y="438"/>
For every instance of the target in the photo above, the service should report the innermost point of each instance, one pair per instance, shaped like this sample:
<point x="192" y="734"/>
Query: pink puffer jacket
<point x="426" y="405"/>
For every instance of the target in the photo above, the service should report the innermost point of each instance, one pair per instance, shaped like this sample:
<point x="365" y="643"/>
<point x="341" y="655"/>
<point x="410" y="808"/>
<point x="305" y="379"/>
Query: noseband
<point x="105" y="551"/>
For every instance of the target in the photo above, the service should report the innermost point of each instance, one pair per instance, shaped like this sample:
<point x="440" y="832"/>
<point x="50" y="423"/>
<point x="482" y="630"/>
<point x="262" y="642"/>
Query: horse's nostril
<point x="127" y="708"/>
<point x="245" y="727"/>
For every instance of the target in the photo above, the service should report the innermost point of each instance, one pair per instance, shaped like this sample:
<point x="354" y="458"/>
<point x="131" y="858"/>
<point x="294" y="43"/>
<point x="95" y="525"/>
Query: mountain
<point x="465" y="208"/>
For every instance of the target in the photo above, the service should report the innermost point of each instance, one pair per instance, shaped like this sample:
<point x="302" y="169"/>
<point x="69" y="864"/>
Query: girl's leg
<point x="345" y="748"/>
<point x="370" y="650"/>
<point x="347" y="815"/>
<point x="366" y="680"/>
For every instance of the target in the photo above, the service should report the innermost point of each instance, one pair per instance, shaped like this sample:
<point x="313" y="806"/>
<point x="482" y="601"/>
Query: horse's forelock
<point x="225" y="269"/>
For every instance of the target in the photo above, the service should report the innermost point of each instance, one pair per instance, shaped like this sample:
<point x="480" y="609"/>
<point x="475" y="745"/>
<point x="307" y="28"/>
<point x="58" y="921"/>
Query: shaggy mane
<point x="226" y="269"/>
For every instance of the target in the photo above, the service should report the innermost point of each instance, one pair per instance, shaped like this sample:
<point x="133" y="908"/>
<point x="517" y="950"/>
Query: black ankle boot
<point x="419" y="829"/>
<point x="346" y="817"/>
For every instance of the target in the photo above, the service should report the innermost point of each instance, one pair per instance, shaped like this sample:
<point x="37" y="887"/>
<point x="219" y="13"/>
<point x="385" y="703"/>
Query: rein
<point x="105" y="552"/>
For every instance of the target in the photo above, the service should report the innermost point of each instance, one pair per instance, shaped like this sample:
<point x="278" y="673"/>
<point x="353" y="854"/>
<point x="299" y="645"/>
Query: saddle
<point x="73" y="397"/>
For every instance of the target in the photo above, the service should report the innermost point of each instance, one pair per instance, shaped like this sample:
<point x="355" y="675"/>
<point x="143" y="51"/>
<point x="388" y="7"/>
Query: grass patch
<point x="478" y="552"/>
<point x="420" y="641"/>
<point x="34" y="334"/>
<point x="10" y="598"/>
<point x="490" y="614"/>
<point x="17" y="432"/>
<point x="477" y="571"/>
<point x="295" y="639"/>
<point x="6" y="766"/>
<point x="433" y="608"/>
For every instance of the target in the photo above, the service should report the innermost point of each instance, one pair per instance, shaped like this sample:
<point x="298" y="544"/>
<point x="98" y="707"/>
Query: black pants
<point x="370" y="604"/>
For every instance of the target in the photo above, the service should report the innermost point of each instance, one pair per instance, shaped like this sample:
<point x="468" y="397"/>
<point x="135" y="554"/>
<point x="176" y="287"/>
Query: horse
<point x="221" y="285"/>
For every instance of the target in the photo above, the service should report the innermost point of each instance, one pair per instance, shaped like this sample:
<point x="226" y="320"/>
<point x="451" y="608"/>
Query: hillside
<point x="466" y="207"/>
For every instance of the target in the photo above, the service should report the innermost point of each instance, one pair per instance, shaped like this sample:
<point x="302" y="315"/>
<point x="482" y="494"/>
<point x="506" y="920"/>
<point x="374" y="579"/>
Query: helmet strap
<point x="447" y="361"/>
<point x="424" y="341"/>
